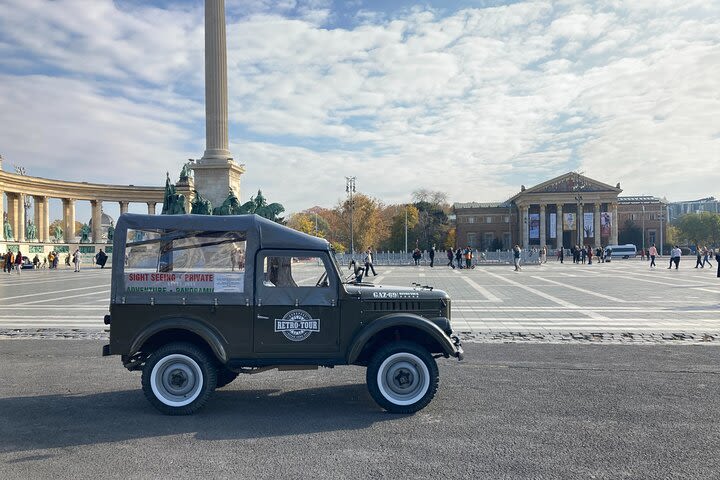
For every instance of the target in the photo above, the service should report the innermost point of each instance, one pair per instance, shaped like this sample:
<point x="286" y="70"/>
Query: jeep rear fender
<point x="407" y="320"/>
<point x="209" y="335"/>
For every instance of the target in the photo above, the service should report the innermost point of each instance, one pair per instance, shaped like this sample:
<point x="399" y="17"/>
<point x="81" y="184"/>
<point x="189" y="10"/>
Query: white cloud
<point x="473" y="102"/>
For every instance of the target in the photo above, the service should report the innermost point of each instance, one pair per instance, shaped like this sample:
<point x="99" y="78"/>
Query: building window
<point x="506" y="219"/>
<point x="470" y="219"/>
<point x="488" y="219"/>
<point x="651" y="237"/>
<point x="472" y="240"/>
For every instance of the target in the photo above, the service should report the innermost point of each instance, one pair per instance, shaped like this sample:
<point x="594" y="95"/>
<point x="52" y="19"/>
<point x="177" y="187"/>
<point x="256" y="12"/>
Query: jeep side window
<point x="292" y="272"/>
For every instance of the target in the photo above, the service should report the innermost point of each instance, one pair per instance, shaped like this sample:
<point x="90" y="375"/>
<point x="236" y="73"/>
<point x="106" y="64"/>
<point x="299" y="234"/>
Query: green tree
<point x="630" y="233"/>
<point x="396" y="238"/>
<point x="702" y="228"/>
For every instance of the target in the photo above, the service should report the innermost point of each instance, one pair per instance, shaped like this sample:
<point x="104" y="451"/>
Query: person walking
<point x="468" y="257"/>
<point x="432" y="256"/>
<point x="450" y="256"/>
<point x="543" y="254"/>
<point x="583" y="253"/>
<point x="677" y="253"/>
<point x="8" y="262"/>
<point x="653" y="254"/>
<point x="589" y="254"/>
<point x="416" y="256"/>
<point x="717" y="259"/>
<point x="369" y="263"/>
<point x="76" y="259"/>
<point x="698" y="254"/>
<point x="561" y="254"/>
<point x="516" y="257"/>
<point x="18" y="261"/>
<point x="706" y="256"/>
<point x="458" y="258"/>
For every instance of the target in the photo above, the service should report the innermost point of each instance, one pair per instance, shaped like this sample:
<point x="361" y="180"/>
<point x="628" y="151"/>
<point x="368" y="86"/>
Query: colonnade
<point x="41" y="217"/>
<point x="579" y="209"/>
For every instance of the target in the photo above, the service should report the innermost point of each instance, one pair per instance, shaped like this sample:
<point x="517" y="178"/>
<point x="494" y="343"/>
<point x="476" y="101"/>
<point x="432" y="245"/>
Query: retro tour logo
<point x="297" y="325"/>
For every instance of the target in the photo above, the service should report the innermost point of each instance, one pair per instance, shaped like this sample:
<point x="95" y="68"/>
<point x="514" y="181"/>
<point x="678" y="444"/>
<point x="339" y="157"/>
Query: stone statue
<point x="259" y="206"/>
<point x="30" y="231"/>
<point x="173" y="203"/>
<point x="85" y="233"/>
<point x="110" y="233"/>
<point x="7" y="229"/>
<point x="231" y="205"/>
<point x="201" y="205"/>
<point x="57" y="233"/>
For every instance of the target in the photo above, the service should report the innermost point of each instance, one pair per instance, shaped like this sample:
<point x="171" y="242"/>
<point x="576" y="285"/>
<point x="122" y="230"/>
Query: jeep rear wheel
<point x="402" y="377"/>
<point x="178" y="378"/>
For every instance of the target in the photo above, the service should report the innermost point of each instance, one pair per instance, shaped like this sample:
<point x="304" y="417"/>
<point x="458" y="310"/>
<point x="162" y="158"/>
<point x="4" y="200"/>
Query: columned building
<point x="567" y="210"/>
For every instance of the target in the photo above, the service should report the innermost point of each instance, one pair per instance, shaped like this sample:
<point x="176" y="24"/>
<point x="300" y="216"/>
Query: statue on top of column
<point x="7" y="229"/>
<point x="30" y="230"/>
<point x="173" y="203"/>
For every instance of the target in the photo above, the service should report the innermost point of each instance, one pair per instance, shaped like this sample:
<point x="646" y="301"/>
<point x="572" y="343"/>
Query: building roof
<point x="640" y="199"/>
<point x="465" y="205"/>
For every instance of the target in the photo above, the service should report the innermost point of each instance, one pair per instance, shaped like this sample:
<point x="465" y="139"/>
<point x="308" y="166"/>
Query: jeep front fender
<point x="401" y="320"/>
<point x="213" y="338"/>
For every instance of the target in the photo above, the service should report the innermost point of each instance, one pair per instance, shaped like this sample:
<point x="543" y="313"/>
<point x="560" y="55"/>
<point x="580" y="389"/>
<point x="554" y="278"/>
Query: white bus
<point x="620" y="251"/>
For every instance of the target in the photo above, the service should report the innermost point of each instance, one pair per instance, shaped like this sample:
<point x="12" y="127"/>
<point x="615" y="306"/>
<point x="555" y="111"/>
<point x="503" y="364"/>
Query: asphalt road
<point x="507" y="411"/>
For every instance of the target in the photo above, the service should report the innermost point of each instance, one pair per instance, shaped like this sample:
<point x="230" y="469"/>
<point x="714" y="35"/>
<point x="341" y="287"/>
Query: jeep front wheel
<point x="178" y="378"/>
<point x="402" y="377"/>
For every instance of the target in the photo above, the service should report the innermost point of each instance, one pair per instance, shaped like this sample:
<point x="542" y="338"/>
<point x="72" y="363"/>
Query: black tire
<point x="402" y="377"/>
<point x="225" y="377"/>
<point x="178" y="378"/>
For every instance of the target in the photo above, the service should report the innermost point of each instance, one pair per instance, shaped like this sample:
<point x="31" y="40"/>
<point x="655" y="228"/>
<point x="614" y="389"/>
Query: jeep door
<point x="296" y="305"/>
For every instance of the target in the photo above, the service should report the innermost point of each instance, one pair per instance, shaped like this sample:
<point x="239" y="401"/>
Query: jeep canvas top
<point x="196" y="300"/>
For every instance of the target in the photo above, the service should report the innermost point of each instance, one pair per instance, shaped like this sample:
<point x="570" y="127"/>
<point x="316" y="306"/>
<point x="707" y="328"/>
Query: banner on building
<point x="569" y="223"/>
<point x="553" y="225"/>
<point x="588" y="228"/>
<point x="605" y="223"/>
<point x="534" y="221"/>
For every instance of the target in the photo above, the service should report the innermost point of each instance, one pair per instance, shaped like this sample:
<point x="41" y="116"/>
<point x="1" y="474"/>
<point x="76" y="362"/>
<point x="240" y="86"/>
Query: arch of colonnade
<point x="16" y="187"/>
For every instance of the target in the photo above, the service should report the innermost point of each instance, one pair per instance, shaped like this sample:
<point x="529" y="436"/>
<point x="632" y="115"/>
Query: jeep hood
<point x="368" y="291"/>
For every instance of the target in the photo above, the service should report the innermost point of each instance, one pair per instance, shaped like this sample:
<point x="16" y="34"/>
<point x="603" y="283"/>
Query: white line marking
<point x="583" y="290"/>
<point x="66" y="297"/>
<point x="54" y="292"/>
<point x="482" y="291"/>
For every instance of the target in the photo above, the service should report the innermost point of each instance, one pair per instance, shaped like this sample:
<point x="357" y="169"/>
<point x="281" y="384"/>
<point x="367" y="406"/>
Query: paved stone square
<point x="622" y="300"/>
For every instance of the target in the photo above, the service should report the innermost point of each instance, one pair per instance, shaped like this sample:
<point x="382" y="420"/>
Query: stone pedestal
<point x="213" y="181"/>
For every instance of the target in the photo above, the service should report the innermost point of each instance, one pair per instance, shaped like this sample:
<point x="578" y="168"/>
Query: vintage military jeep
<point x="197" y="300"/>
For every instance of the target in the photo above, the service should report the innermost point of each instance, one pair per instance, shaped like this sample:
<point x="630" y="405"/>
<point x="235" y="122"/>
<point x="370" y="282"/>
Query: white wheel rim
<point x="403" y="378"/>
<point x="176" y="380"/>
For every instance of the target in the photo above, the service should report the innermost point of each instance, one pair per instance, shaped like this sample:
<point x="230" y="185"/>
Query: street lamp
<point x="580" y="221"/>
<point x="406" y="227"/>
<point x="643" y="226"/>
<point x="350" y="190"/>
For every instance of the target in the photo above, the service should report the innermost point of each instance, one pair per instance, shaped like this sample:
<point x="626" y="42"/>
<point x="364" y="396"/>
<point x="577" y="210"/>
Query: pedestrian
<point x="717" y="259"/>
<point x="653" y="254"/>
<point x="706" y="256"/>
<point x="589" y="254"/>
<point x="450" y="257"/>
<point x="642" y="254"/>
<point x="56" y="260"/>
<point x="675" y="255"/>
<point x="458" y="258"/>
<point x="369" y="262"/>
<point x="698" y="254"/>
<point x="583" y="253"/>
<point x="18" y="261"/>
<point x="8" y="262"/>
<point x="36" y="262"/>
<point x="101" y="258"/>
<point x="543" y="254"/>
<point x="468" y="257"/>
<point x="416" y="256"/>
<point x="561" y="254"/>
<point x="432" y="256"/>
<point x="516" y="257"/>
<point x="76" y="259"/>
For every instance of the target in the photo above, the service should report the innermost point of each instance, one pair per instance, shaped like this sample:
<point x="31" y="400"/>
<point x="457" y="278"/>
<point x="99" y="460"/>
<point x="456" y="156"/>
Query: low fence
<point x="405" y="258"/>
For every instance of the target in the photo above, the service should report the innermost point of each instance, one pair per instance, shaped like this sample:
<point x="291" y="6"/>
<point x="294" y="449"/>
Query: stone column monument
<point x="216" y="171"/>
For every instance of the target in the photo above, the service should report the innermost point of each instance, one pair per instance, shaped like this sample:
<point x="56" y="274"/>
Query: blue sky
<point x="473" y="98"/>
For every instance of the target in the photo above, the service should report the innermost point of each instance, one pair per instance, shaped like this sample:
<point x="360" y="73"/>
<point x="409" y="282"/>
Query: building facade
<point x="646" y="214"/>
<point x="678" y="209"/>
<point x="567" y="210"/>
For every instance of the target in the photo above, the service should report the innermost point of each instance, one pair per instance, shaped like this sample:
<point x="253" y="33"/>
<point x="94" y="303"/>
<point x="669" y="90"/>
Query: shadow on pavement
<point x="56" y="421"/>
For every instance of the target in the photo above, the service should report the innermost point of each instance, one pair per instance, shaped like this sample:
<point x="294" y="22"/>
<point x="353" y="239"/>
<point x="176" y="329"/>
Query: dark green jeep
<point x="197" y="300"/>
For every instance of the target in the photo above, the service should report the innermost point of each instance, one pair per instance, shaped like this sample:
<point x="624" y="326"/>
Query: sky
<point x="473" y="98"/>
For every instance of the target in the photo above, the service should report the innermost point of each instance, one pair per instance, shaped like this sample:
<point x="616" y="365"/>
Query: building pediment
<point x="569" y="183"/>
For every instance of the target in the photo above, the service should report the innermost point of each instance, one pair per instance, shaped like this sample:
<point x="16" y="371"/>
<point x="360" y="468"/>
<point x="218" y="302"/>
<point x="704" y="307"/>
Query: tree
<point x="304" y="222"/>
<point x="630" y="233"/>
<point x="369" y="226"/>
<point x="396" y="239"/>
<point x="702" y="228"/>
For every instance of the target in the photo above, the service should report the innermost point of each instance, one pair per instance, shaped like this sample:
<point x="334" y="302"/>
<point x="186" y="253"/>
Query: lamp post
<point x="661" y="227"/>
<point x="350" y="190"/>
<point x="580" y="221"/>
<point x="406" y="227"/>
<point x="643" y="226"/>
